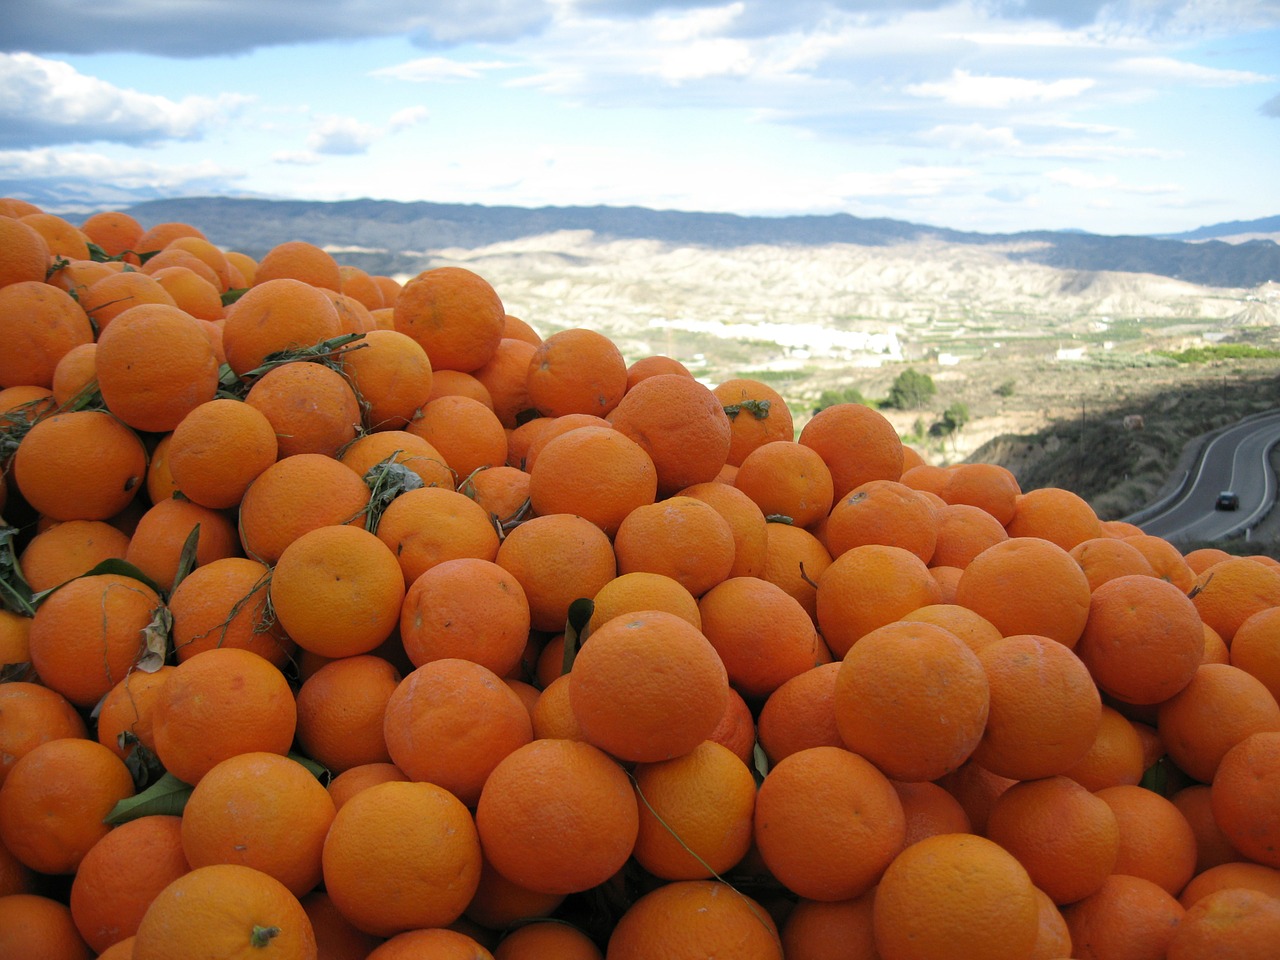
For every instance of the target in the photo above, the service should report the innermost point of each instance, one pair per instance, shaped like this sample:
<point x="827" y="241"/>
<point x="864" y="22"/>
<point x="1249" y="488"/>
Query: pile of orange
<point x="346" y="618"/>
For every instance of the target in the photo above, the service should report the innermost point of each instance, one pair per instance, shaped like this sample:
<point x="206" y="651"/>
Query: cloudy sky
<point x="1136" y="116"/>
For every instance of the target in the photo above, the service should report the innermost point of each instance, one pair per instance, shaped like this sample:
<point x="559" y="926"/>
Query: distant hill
<point x="402" y="234"/>
<point x="1232" y="228"/>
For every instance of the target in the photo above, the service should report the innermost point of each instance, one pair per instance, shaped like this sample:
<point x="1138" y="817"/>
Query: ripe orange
<point x="746" y="521"/>
<point x="648" y="686"/>
<point x="887" y="512"/>
<point x="299" y="260"/>
<point x="311" y="408"/>
<point x="1166" y="560"/>
<point x="857" y="443"/>
<point x="757" y="415"/>
<point x="596" y="472"/>
<point x="32" y="925"/>
<point x="1242" y="874"/>
<point x="1127" y="917"/>
<point x="225" y="910"/>
<point x="837" y="930"/>
<point x="451" y="722"/>
<point x="295" y="495"/>
<point x="48" y="323"/>
<point x="800" y="713"/>
<point x="547" y="941"/>
<point x="841" y="853"/>
<point x="439" y="943"/>
<point x="67" y="549"/>
<point x="218" y="449"/>
<point x="695" y="918"/>
<point x="963" y="532"/>
<point x="929" y="810"/>
<point x="1230" y="591"/>
<point x="867" y="587"/>
<point x="224" y="603"/>
<point x="336" y="938"/>
<point x="1245" y="799"/>
<point x="373" y="454"/>
<point x="1156" y="841"/>
<point x="557" y="816"/>
<point x="1105" y="558"/>
<point x="454" y="314"/>
<point x="682" y="426"/>
<point x="1255" y="648"/>
<point x="340" y="712"/>
<point x="117" y="292"/>
<point x="125" y="713"/>
<point x="1212" y="846"/>
<point x="556" y="559"/>
<point x="431" y="525"/>
<point x="391" y="374"/>
<point x="912" y="699"/>
<point x="506" y="379"/>
<point x="33" y="714"/>
<point x="1027" y="585"/>
<point x="576" y="371"/>
<point x="273" y="316"/>
<point x="955" y="894"/>
<point x="975" y="630"/>
<point x="350" y="782"/>
<point x="26" y="253"/>
<point x="1045" y="709"/>
<point x="1221" y="706"/>
<point x="468" y="434"/>
<point x="1236" y="923"/>
<point x="162" y="532"/>
<point x="787" y="479"/>
<point x="988" y="486"/>
<point x="1116" y="756"/>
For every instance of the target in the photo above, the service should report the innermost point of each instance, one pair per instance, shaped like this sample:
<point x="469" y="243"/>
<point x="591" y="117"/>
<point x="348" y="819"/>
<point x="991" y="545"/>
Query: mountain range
<point x="389" y="236"/>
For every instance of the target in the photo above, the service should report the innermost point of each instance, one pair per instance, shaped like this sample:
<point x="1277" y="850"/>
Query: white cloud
<point x="440" y="70"/>
<point x="1163" y="69"/>
<point x="906" y="181"/>
<point x="408" y="117"/>
<point x="47" y="162"/>
<point x="1083" y="180"/>
<point x="49" y="101"/>
<point x="965" y="89"/>
<point x="342" y="136"/>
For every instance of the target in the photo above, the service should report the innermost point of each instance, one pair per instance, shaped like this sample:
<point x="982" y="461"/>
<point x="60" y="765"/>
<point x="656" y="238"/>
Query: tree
<point x="831" y="398"/>
<point x="911" y="390"/>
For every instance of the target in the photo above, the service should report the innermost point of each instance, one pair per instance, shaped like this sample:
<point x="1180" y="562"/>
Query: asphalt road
<point x="1235" y="459"/>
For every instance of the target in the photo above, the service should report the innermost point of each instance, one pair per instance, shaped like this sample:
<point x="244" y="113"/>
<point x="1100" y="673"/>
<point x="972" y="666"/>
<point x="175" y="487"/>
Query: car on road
<point x="1227" y="500"/>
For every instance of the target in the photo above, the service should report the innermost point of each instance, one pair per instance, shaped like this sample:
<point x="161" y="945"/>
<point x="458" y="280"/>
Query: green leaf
<point x="757" y="408"/>
<point x="115" y="565"/>
<point x="759" y="763"/>
<point x="1156" y="779"/>
<point x="315" y="768"/>
<point x="231" y="296"/>
<point x="779" y="518"/>
<point x="166" y="797"/>
<point x="15" y="593"/>
<point x="575" y="630"/>
<point x="386" y="480"/>
<point x="186" y="559"/>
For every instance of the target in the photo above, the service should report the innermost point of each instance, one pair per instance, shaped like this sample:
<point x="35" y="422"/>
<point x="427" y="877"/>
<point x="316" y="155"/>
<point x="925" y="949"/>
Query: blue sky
<point x="1140" y="116"/>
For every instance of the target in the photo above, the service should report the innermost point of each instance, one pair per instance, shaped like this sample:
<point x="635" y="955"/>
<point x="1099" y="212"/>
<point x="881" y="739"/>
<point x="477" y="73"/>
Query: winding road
<point x="1234" y="459"/>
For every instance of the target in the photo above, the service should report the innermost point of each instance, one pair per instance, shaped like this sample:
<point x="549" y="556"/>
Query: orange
<point x="800" y="713"/>
<point x="115" y="293"/>
<point x="225" y="910"/>
<point x="370" y="455"/>
<point x="171" y="257"/>
<point x="218" y="704"/>
<point x="651" y="366"/>
<point x="47" y="322"/>
<point x="929" y="810"/>
<point x="1045" y="710"/>
<point x="113" y="230"/>
<point x="500" y="904"/>
<point x="454" y="314"/>
<point x="85" y="465"/>
<point x="733" y="613"/>
<point x="468" y="434"/>
<point x="218" y="449"/>
<point x="596" y="472"/>
<point x="32" y="925"/>
<point x="836" y="930"/>
<point x="1230" y="591"/>
<point x="64" y="239"/>
<point x="547" y="941"/>
<point x="26" y="253"/>
<point x="1143" y="640"/>
<point x="68" y="549"/>
<point x="887" y="512"/>
<point x="1115" y="758"/>
<point x="975" y="630"/>
<point x="1105" y="558"/>
<point x="311" y="408"/>
<point x="988" y="486"/>
<point x="76" y="276"/>
<point x="430" y="525"/>
<point x="1244" y="798"/>
<point x="757" y="415"/>
<point x="680" y="537"/>
<point x="543" y="430"/>
<point x="576" y="370"/>
<point x="86" y="636"/>
<point x="976" y="789"/>
<point x="445" y="383"/>
<point x="1065" y="837"/>
<point x="125" y="714"/>
<point x="695" y="813"/>
<point x="1156" y="841"/>
<point x="842" y="853"/>
<point x="337" y="591"/>
<point x="208" y="254"/>
<point x="1129" y="917"/>
<point x="401" y="856"/>
<point x="439" y="943"/>
<point x="963" y="532"/>
<point x="340" y="712"/>
<point x="55" y="799"/>
<point x="633" y="592"/>
<point x="1221" y="706"/>
<point x="1057" y="515"/>
<point x="161" y="534"/>
<point x="795" y="560"/>
<point x="31" y="714"/>
<point x="353" y="316"/>
<point x="294" y="495"/>
<point x="260" y="810"/>
<point x="552" y="713"/>
<point x="160" y="235"/>
<point x="1203" y="558"/>
<point x="695" y="918"/>
<point x="191" y="292"/>
<point x="1213" y="849"/>
<point x="1165" y="559"/>
<point x="737" y="728"/>
<point x="451" y="722"/>
<point x="224" y="604"/>
<point x="506" y="379"/>
<point x="336" y="938"/>
<point x="682" y="426"/>
<point x="556" y="559"/>
<point x="514" y="328"/>
<point x="299" y="260"/>
<point x="557" y="816"/>
<point x="503" y="491"/>
<point x="350" y="782"/>
<point x="467" y="607"/>
<point x="357" y="283"/>
<point x="955" y="895"/>
<point x="1255" y="648"/>
<point x="1226" y="876"/>
<point x="1027" y="585"/>
<point x="648" y="686"/>
<point x="867" y="587"/>
<point x="856" y="442"/>
<point x="392" y="376"/>
<point x="787" y="479"/>
<point x="75" y="374"/>
<point x="273" y="316"/>
<point x="1236" y="923"/>
<point x="913" y="699"/>
<point x="746" y="521"/>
